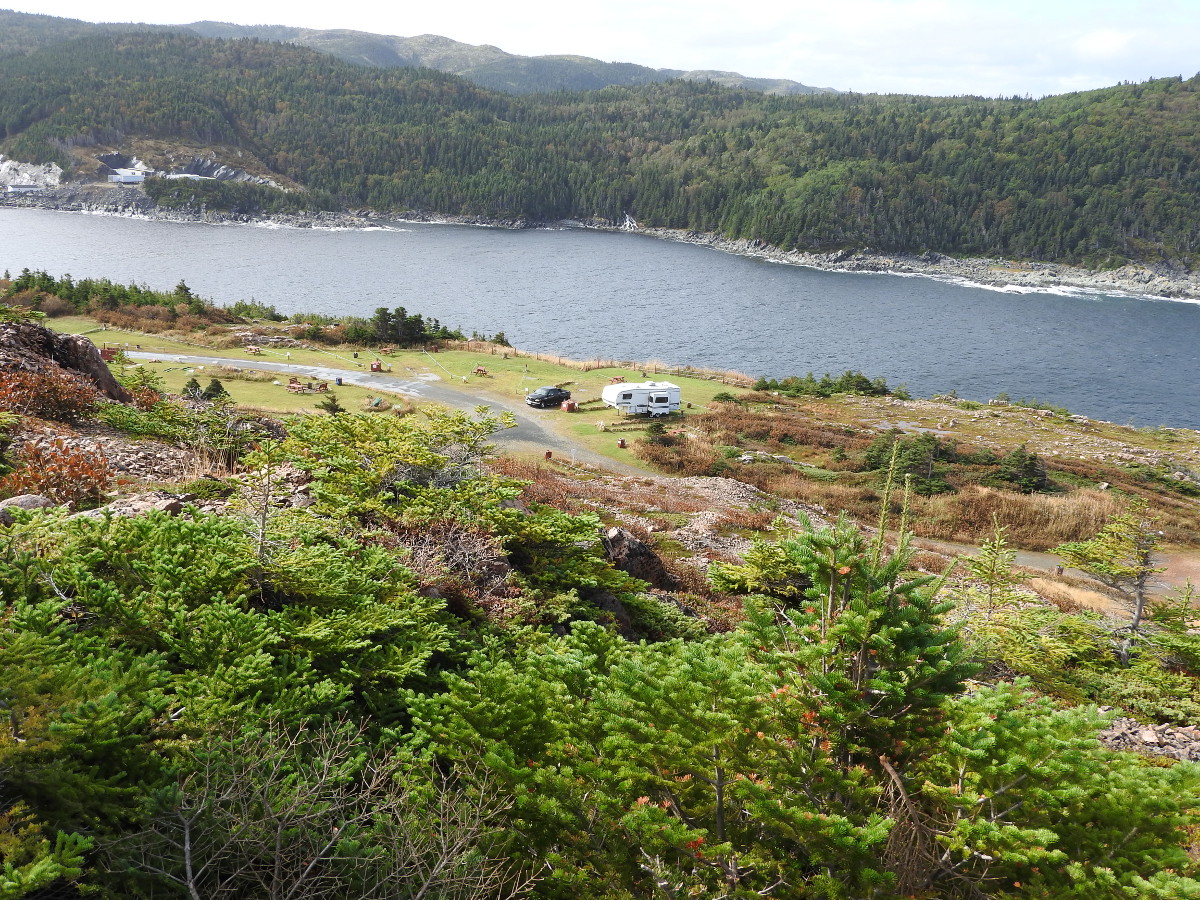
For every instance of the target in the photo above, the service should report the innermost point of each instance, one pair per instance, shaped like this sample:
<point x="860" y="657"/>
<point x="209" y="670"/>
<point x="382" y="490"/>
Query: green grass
<point x="270" y="394"/>
<point x="508" y="378"/>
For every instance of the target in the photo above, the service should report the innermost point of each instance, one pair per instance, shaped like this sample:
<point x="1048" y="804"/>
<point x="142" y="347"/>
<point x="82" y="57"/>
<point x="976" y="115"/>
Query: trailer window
<point x="628" y="396"/>
<point x="658" y="400"/>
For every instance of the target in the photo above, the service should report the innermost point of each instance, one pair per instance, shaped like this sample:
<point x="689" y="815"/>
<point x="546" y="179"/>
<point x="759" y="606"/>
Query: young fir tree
<point x="993" y="593"/>
<point x="1121" y="557"/>
<point x="214" y="390"/>
<point x="330" y="404"/>
<point x="192" y="389"/>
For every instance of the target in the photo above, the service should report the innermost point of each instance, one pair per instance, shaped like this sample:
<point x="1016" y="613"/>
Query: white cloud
<point x="1103" y="45"/>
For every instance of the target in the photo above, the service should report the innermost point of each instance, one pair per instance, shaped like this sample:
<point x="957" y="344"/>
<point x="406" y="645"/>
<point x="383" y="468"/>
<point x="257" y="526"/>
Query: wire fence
<point x="648" y="369"/>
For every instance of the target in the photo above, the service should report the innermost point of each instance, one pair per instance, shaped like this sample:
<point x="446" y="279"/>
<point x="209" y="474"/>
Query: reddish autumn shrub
<point x="56" y="470"/>
<point x="54" y="395"/>
<point x="681" y="457"/>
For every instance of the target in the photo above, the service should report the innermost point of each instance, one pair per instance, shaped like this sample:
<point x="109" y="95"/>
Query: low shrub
<point x="54" y="306"/>
<point x="162" y="420"/>
<point x="56" y="395"/>
<point x="683" y="457"/>
<point x="208" y="488"/>
<point x="54" y="469"/>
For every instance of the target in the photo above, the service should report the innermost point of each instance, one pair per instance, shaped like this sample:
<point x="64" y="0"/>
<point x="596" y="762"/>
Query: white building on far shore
<point x="127" y="176"/>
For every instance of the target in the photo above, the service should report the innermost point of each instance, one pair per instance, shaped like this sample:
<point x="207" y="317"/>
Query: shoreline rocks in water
<point x="1162" y="281"/>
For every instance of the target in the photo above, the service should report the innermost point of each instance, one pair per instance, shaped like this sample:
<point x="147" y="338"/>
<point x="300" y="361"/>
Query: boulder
<point x="609" y="603"/>
<point x="636" y="558"/>
<point x="23" y="501"/>
<point x="28" y="501"/>
<point x="29" y="347"/>
<point x="139" y="505"/>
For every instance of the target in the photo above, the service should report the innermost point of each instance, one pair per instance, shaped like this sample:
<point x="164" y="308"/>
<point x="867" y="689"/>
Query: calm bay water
<point x="588" y="294"/>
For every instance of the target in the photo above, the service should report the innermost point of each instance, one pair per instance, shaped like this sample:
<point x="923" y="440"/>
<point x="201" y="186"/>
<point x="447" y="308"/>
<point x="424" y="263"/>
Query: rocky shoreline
<point x="1162" y="281"/>
<point x="1165" y="281"/>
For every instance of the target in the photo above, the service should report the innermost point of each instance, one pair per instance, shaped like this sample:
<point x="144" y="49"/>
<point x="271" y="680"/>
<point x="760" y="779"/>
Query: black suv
<point x="547" y="396"/>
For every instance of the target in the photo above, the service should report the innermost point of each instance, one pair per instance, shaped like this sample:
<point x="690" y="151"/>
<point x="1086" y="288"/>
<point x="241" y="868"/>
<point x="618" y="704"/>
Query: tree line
<point x="46" y="293"/>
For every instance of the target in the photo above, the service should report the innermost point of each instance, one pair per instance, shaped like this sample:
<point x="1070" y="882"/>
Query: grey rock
<point x="139" y="505"/>
<point x="636" y="558"/>
<point x="28" y="501"/>
<point x="1171" y="742"/>
<point x="27" y="346"/>
<point x="608" y="603"/>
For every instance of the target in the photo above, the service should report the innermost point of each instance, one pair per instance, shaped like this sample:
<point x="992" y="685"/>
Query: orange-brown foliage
<point x="56" y="395"/>
<point x="64" y="474"/>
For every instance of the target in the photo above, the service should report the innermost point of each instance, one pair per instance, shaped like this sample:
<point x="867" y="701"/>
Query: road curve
<point x="530" y="435"/>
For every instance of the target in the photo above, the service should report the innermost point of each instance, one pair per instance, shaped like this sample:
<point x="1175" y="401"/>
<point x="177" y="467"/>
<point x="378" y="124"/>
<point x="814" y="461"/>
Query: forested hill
<point x="488" y="66"/>
<point x="1095" y="178"/>
<point x="482" y="64"/>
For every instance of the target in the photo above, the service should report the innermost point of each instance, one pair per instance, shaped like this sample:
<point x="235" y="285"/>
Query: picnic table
<point x="295" y="386"/>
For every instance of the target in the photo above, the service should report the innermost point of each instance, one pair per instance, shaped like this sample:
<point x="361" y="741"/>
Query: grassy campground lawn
<point x="508" y="378"/>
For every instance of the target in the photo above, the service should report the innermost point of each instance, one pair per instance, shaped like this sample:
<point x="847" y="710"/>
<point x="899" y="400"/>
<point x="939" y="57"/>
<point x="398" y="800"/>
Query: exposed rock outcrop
<point x="211" y="168"/>
<point x="29" y="174"/>
<point x="636" y="558"/>
<point x="29" y="347"/>
<point x="139" y="505"/>
<point x="1153" y="740"/>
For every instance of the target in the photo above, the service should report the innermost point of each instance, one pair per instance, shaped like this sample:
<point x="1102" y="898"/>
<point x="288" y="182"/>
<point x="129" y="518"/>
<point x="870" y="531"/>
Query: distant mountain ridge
<point x="485" y="65"/>
<point x="489" y="66"/>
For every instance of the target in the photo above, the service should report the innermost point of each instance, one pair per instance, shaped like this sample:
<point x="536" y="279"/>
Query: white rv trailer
<point x="655" y="398"/>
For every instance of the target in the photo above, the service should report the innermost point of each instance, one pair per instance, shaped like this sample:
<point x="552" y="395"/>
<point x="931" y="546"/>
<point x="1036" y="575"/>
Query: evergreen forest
<point x="1097" y="178"/>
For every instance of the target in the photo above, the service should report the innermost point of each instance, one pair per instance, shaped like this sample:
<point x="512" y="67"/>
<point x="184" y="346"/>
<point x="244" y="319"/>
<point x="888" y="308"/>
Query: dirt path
<point x="1181" y="565"/>
<point x="532" y="434"/>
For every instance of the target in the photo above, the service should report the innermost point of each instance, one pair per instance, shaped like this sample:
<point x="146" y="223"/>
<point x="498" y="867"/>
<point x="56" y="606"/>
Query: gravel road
<point x="530" y="435"/>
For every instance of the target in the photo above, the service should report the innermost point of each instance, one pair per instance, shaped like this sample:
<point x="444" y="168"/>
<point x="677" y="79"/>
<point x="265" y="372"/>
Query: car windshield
<point x="545" y="391"/>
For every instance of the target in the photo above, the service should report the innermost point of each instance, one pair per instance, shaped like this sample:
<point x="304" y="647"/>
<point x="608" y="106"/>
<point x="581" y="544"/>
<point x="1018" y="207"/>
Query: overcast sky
<point x="942" y="47"/>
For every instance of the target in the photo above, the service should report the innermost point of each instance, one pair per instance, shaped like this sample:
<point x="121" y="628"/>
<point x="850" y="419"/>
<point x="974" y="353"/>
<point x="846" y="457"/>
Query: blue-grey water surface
<point x="587" y="294"/>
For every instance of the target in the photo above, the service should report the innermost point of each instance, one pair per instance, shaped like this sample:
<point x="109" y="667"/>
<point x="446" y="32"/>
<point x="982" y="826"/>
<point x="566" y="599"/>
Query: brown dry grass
<point x="566" y="490"/>
<point x="1073" y="596"/>
<point x="745" y="519"/>
<point x="682" y="457"/>
<point x="1034" y="521"/>
<point x="729" y="424"/>
<point x="832" y="436"/>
